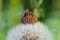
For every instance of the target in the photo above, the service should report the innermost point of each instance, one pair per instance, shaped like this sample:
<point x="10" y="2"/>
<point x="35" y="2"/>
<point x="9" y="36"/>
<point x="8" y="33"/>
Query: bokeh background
<point x="47" y="11"/>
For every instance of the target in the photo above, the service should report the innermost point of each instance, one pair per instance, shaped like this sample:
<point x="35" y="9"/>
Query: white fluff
<point x="20" y="30"/>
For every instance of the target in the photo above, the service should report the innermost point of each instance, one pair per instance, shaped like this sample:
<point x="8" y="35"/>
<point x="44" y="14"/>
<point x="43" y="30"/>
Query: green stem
<point x="30" y="4"/>
<point x="39" y="3"/>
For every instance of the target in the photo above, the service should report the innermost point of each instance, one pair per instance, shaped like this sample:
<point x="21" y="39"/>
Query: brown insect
<point x="29" y="18"/>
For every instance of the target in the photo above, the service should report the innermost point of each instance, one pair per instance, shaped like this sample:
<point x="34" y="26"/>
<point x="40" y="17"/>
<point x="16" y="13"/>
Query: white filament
<point x="18" y="32"/>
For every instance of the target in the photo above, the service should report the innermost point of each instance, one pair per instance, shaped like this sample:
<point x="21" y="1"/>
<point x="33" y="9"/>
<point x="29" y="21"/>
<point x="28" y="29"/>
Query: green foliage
<point x="11" y="12"/>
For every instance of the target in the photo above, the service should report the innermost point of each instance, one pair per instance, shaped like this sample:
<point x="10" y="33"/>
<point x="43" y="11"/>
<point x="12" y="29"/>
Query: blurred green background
<point x="47" y="11"/>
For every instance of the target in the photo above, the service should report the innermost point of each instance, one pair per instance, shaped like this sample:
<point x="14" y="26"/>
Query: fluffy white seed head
<point x="38" y="31"/>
